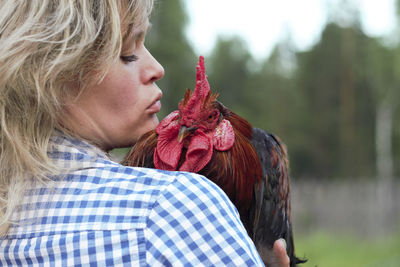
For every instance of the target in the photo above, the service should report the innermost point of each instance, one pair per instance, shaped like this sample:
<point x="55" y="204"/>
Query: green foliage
<point x="227" y="69"/>
<point x="339" y="103"/>
<point x="331" y="250"/>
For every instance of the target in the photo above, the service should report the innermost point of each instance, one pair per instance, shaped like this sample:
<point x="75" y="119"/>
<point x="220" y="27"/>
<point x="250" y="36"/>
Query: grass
<point x="329" y="250"/>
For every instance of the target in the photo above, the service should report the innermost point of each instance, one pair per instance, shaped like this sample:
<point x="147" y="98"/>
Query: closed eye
<point x="129" y="58"/>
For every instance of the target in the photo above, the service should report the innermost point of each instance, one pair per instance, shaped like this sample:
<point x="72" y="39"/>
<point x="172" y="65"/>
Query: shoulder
<point x="102" y="195"/>
<point x="167" y="184"/>
<point x="194" y="223"/>
<point x="195" y="189"/>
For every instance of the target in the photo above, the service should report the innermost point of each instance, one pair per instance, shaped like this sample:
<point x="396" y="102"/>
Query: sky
<point x="262" y="23"/>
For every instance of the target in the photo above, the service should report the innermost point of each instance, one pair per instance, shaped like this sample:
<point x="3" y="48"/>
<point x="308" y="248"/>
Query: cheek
<point x="122" y="93"/>
<point x="127" y="98"/>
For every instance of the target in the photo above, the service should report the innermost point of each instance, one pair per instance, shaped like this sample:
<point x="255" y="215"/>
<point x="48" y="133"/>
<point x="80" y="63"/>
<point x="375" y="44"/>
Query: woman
<point x="76" y="81"/>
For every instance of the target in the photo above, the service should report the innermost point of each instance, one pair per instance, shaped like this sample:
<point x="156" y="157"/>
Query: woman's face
<point x="123" y="106"/>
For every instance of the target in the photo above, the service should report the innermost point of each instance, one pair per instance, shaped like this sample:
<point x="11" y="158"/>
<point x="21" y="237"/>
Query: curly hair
<point x="44" y="46"/>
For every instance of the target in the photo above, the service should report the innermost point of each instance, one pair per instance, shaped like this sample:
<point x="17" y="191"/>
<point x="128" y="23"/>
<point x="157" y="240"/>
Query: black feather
<point x="271" y="209"/>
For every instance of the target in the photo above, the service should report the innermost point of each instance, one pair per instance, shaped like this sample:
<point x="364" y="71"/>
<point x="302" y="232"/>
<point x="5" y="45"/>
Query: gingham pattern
<point x="105" y="214"/>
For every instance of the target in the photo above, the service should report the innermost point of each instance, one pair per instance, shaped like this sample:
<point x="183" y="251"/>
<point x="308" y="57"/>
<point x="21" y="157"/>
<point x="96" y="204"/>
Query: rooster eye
<point x="212" y="116"/>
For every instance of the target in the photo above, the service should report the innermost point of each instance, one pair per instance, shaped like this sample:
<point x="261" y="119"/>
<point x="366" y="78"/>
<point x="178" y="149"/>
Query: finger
<point x="282" y="259"/>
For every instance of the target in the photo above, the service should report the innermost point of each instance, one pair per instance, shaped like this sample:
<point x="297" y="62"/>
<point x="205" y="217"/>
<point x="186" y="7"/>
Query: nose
<point x="154" y="71"/>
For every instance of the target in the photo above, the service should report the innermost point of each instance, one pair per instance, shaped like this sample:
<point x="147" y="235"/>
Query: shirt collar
<point x="61" y="144"/>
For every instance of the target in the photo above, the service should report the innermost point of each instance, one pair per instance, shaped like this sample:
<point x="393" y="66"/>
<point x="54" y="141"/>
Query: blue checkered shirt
<point x="104" y="214"/>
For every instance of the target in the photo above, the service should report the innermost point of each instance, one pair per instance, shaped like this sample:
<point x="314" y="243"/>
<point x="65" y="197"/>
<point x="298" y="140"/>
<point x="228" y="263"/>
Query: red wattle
<point x="165" y="123"/>
<point x="199" y="153"/>
<point x="168" y="150"/>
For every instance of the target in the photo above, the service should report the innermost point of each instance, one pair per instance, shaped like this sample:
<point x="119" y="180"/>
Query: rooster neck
<point x="237" y="170"/>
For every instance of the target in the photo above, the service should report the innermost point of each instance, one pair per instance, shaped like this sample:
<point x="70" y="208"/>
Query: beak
<point x="184" y="132"/>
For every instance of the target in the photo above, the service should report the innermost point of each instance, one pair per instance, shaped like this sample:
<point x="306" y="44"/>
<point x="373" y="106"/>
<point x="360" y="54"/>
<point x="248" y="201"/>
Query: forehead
<point x="134" y="16"/>
<point x="141" y="29"/>
<point x="135" y="32"/>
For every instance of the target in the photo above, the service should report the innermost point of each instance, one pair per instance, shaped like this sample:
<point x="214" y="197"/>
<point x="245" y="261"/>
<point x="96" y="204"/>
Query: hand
<point x="279" y="257"/>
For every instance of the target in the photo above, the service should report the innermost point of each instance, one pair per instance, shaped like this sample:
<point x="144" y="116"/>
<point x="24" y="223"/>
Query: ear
<point x="224" y="136"/>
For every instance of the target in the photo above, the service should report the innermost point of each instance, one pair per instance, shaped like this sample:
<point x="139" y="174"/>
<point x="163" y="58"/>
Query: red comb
<point x="202" y="87"/>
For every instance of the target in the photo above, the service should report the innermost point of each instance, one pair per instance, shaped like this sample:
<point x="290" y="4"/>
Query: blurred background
<point x="323" y="75"/>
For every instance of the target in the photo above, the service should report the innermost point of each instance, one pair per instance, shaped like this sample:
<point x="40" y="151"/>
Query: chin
<point x="155" y="121"/>
<point x="129" y="137"/>
<point x="150" y="125"/>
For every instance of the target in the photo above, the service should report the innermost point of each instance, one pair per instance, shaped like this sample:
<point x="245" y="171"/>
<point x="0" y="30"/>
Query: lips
<point x="155" y="105"/>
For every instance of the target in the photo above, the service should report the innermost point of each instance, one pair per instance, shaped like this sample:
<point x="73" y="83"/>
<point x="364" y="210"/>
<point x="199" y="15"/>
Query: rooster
<point x="248" y="164"/>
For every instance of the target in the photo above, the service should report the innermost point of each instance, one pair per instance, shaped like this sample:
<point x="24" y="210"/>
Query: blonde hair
<point x="44" y="45"/>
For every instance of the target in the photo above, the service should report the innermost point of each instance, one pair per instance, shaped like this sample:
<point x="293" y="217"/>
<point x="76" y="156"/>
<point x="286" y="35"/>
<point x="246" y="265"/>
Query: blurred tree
<point x="383" y="72"/>
<point x="270" y="92"/>
<point x="339" y="103"/>
<point x="396" y="142"/>
<point x="394" y="99"/>
<point x="277" y="105"/>
<point x="168" y="44"/>
<point x="228" y="71"/>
